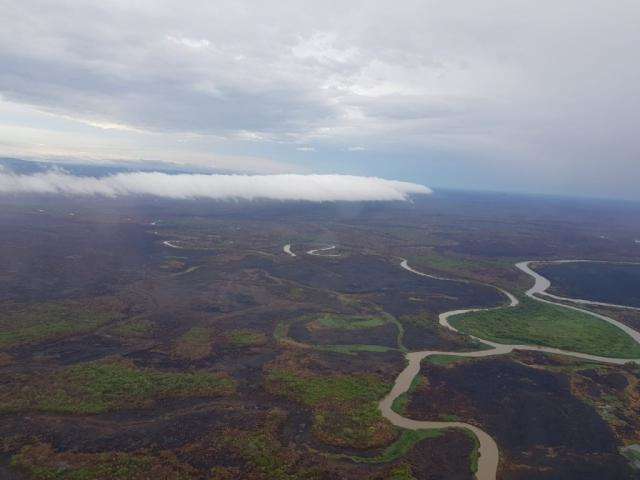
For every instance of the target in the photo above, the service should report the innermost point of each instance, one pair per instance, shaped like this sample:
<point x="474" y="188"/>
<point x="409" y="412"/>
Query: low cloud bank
<point x="315" y="188"/>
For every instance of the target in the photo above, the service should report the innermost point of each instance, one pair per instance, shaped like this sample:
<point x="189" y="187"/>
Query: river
<point x="489" y="454"/>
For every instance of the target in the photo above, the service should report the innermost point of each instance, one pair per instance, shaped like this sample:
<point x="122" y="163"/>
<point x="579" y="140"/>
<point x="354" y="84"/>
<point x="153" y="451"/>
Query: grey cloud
<point x="155" y="104"/>
<point x="535" y="87"/>
<point x="411" y="107"/>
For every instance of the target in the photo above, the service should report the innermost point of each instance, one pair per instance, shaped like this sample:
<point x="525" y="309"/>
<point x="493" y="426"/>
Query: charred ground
<point x="121" y="355"/>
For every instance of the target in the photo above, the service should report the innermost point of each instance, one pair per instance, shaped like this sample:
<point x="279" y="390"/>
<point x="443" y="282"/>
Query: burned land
<point x="601" y="282"/>
<point x="177" y="340"/>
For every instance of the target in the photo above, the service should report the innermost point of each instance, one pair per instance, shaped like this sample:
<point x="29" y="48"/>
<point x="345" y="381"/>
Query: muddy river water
<point x="489" y="454"/>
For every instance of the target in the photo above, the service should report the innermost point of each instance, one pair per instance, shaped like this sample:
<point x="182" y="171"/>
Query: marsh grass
<point x="349" y="322"/>
<point x="400" y="447"/>
<point x="194" y="344"/>
<point x="536" y="323"/>
<point x="246" y="338"/>
<point x="45" y="321"/>
<point x="41" y="462"/>
<point x="345" y="407"/>
<point x="355" y="349"/>
<point x="106" y="386"/>
<point x="443" y="360"/>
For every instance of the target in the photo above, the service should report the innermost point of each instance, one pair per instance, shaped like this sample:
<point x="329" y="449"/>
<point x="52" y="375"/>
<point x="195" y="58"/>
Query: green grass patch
<point x="345" y="407"/>
<point x="401" y="332"/>
<point x="448" y="417"/>
<point x="354" y="349"/>
<point x="349" y="322"/>
<point x="632" y="453"/>
<point x="441" y="262"/>
<point x="281" y="331"/>
<point x="401" y="402"/>
<point x="41" y="462"/>
<point x="475" y="452"/>
<point x="105" y="386"/>
<point x="45" y="321"/>
<point x="246" y="338"/>
<point x="536" y="323"/>
<point x="314" y="390"/>
<point x="297" y="293"/>
<point x="343" y="322"/>
<point x="445" y="359"/>
<point x="265" y="456"/>
<point x="401" y="472"/>
<point x="133" y="328"/>
<point x="400" y="447"/>
<point x="194" y="344"/>
<point x="262" y="454"/>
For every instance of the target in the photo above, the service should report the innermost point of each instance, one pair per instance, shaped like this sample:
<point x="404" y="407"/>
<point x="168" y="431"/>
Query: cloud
<point x="314" y="188"/>
<point x="531" y="95"/>
<point x="190" y="42"/>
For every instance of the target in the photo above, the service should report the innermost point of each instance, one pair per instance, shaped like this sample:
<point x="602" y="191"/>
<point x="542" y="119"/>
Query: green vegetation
<point x="41" y="462"/>
<point x="263" y="455"/>
<point x="261" y="451"/>
<point x="448" y="417"/>
<point x="104" y="386"/>
<point x="354" y="349"/>
<point x="401" y="446"/>
<point x="441" y="262"/>
<point x="345" y="407"/>
<point x="632" y="453"/>
<point x="424" y="324"/>
<point x="281" y="331"/>
<point x="246" y="338"/>
<point x="296" y="293"/>
<point x="549" y="325"/>
<point x="445" y="359"/>
<point x="400" y="337"/>
<point x="402" y="472"/>
<point x="475" y="452"/>
<point x="314" y="390"/>
<point x="266" y="457"/>
<point x="134" y="328"/>
<point x="349" y="322"/>
<point x="194" y="344"/>
<point x="402" y="401"/>
<point x="49" y="320"/>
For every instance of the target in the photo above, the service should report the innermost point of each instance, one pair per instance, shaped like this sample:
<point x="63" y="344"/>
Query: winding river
<point x="318" y="251"/>
<point x="542" y="284"/>
<point x="168" y="243"/>
<point x="489" y="454"/>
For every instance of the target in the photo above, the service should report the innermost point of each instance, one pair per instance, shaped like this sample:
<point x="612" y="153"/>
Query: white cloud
<point x="190" y="42"/>
<point x="321" y="47"/>
<point x="306" y="149"/>
<point x="315" y="188"/>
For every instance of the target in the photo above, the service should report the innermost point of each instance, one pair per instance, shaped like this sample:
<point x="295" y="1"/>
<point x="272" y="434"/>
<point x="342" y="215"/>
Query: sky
<point x="529" y="96"/>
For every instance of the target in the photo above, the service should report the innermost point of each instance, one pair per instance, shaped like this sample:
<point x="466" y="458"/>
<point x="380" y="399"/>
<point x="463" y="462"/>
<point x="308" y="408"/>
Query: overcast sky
<point x="539" y="96"/>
